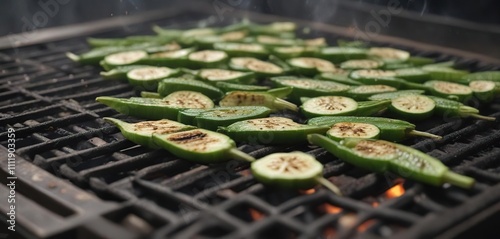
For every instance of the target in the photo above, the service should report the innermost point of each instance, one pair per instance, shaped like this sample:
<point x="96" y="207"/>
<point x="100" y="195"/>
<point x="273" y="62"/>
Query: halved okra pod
<point x="340" y="105"/>
<point x="211" y="119"/>
<point x="390" y="129"/>
<point x="170" y="85"/>
<point x="382" y="156"/>
<point x="272" y="130"/>
<point x="248" y="98"/>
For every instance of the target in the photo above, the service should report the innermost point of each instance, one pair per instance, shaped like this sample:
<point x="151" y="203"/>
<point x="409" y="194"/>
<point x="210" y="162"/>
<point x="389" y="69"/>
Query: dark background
<point x="14" y="15"/>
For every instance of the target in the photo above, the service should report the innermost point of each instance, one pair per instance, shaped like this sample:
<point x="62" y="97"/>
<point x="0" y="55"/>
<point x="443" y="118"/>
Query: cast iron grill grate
<point x="49" y="100"/>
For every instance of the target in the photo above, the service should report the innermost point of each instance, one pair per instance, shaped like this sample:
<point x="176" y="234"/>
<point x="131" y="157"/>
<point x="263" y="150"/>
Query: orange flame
<point x="395" y="191"/>
<point x="255" y="214"/>
<point x="330" y="209"/>
<point x="365" y="225"/>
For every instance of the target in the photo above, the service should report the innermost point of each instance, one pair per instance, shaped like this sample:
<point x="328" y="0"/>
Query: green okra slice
<point x="288" y="52"/>
<point x="293" y="170"/>
<point x="242" y="49"/>
<point x="447" y="108"/>
<point x="444" y="73"/>
<point x="361" y="64"/>
<point x="273" y="29"/>
<point x="248" y="98"/>
<point x="211" y="119"/>
<point x="412" y="107"/>
<point x="228" y="87"/>
<point x="272" y="41"/>
<point x="141" y="133"/>
<point x="310" y="66"/>
<point x="207" y="58"/>
<point x="173" y="59"/>
<point x="150" y="108"/>
<point x="376" y="77"/>
<point x="342" y="130"/>
<point x="260" y="68"/>
<point x="420" y="61"/>
<point x="306" y="87"/>
<point x="389" y="55"/>
<point x="395" y="94"/>
<point x="485" y="91"/>
<point x="339" y="76"/>
<point x="271" y="130"/>
<point x="415" y="75"/>
<point x="341" y="54"/>
<point x="450" y="90"/>
<point x="148" y="94"/>
<point x="363" y="92"/>
<point x="480" y="76"/>
<point x="383" y="156"/>
<point x="123" y="58"/>
<point x="119" y="73"/>
<point x="340" y="105"/>
<point x="231" y="36"/>
<point x="128" y="41"/>
<point x="170" y="85"/>
<point x="222" y="75"/>
<point x="200" y="146"/>
<point x="390" y="129"/>
<point x="148" y="77"/>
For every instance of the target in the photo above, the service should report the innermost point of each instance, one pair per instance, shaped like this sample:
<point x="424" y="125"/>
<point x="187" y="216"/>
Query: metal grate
<point x="49" y="100"/>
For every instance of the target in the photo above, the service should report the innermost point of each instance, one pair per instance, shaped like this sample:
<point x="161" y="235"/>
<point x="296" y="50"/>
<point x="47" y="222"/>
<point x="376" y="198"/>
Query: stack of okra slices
<point x="204" y="90"/>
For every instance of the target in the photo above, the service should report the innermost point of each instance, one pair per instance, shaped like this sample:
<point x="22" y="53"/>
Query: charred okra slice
<point x="246" y="98"/>
<point x="272" y="130"/>
<point x="450" y="90"/>
<point x="447" y="108"/>
<point x="170" y="85"/>
<point x="383" y="156"/>
<point x="221" y="75"/>
<point x="412" y="107"/>
<point x="200" y="146"/>
<point x="166" y="108"/>
<point x="310" y="66"/>
<point x="305" y="87"/>
<point x="242" y="49"/>
<point x="390" y="129"/>
<point x="141" y="133"/>
<point x="221" y="116"/>
<point x="387" y="54"/>
<point x="294" y="170"/>
<point x="148" y="77"/>
<point x="341" y="54"/>
<point x="340" y="105"/>
<point x="363" y="92"/>
<point x="260" y="68"/>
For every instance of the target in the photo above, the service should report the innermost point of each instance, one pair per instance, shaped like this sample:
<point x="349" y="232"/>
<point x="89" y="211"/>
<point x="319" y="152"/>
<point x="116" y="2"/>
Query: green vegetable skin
<point x="445" y="107"/>
<point x="150" y="108"/>
<point x="120" y="73"/>
<point x="382" y="156"/>
<point x="272" y="130"/>
<point x="141" y="133"/>
<point x="171" y="85"/>
<point x="306" y="87"/>
<point x="227" y="87"/>
<point x="247" y="98"/>
<point x="211" y="119"/>
<point x="390" y="129"/>
<point x="200" y="146"/>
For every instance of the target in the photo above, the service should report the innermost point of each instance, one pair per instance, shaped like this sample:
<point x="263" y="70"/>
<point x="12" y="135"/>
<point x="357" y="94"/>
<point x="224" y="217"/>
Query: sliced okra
<point x="482" y="76"/>
<point x="341" y="54"/>
<point x="123" y="59"/>
<point x="363" y="92"/>
<point x="294" y="51"/>
<point x="170" y="85"/>
<point x="247" y="98"/>
<point x="150" y="108"/>
<point x="447" y="108"/>
<point x="275" y="41"/>
<point x="148" y="77"/>
<point x="449" y="90"/>
<point x="413" y="107"/>
<point x="232" y="36"/>
<point x="119" y="73"/>
<point x="260" y="68"/>
<point x="420" y="61"/>
<point x="200" y="146"/>
<point x="141" y="133"/>
<point x="176" y="58"/>
<point x="483" y="90"/>
<point x="211" y="119"/>
<point x="443" y="73"/>
<point x="273" y="29"/>
<point x="222" y="75"/>
<point x="342" y="130"/>
<point x="149" y="94"/>
<point x="207" y="58"/>
<point x="305" y="87"/>
<point x="242" y="49"/>
<point x="383" y="156"/>
<point x="310" y="65"/>
<point x="390" y="129"/>
<point x="340" y="105"/>
<point x="376" y="77"/>
<point x="228" y="87"/>
<point x="294" y="170"/>
<point x="272" y="130"/>
<point x="388" y="54"/>
<point x="339" y="76"/>
<point x="361" y="64"/>
<point x="392" y="95"/>
<point x="413" y="75"/>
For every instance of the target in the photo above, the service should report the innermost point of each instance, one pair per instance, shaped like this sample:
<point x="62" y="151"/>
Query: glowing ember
<point x="395" y="191"/>
<point x="375" y="204"/>
<point x="330" y="209"/>
<point x="255" y="214"/>
<point x="308" y="191"/>
<point x="329" y="232"/>
<point x="365" y="225"/>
